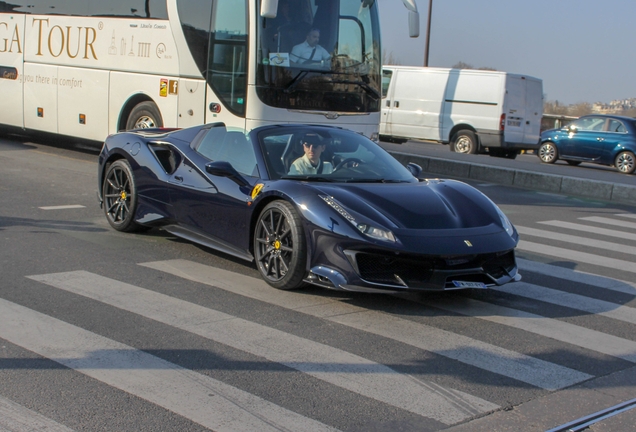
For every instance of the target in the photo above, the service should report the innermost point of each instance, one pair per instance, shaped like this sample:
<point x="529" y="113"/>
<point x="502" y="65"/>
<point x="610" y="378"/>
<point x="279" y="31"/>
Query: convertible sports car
<point x="361" y="222"/>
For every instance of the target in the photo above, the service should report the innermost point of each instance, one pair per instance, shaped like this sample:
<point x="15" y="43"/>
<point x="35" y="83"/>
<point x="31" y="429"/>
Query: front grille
<point x="416" y="271"/>
<point x="393" y="270"/>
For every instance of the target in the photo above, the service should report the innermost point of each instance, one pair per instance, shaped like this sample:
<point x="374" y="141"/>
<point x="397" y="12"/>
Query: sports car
<point x="359" y="221"/>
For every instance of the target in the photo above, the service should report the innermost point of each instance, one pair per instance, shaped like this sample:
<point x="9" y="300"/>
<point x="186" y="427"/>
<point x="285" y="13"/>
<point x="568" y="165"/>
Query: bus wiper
<point x="362" y="84"/>
<point x="294" y="82"/>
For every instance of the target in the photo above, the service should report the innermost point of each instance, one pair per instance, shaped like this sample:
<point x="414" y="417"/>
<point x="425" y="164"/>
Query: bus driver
<point x="309" y="51"/>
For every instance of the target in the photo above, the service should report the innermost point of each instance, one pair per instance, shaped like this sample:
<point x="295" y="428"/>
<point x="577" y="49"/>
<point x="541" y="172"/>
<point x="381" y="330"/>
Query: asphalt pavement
<point x="587" y="180"/>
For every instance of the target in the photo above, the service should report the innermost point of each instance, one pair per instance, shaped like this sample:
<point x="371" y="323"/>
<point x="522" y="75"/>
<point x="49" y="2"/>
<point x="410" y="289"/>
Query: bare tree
<point x="389" y="58"/>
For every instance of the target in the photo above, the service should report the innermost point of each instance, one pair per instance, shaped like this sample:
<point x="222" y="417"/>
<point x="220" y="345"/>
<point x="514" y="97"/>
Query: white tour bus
<point x="88" y="68"/>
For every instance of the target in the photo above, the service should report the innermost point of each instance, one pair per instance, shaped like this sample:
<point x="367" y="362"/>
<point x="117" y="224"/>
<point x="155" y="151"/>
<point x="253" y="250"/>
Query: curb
<point x="594" y="189"/>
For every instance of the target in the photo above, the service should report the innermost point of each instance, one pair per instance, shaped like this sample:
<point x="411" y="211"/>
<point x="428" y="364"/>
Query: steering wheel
<point x="348" y="161"/>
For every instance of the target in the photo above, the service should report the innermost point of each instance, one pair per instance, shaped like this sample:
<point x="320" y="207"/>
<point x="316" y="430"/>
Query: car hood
<point x="434" y="204"/>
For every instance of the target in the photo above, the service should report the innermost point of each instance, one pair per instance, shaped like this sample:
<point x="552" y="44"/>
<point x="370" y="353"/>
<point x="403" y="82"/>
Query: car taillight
<point x="502" y="124"/>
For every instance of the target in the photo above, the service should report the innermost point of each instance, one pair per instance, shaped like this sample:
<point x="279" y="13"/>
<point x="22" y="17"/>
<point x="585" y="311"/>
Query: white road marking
<point x="581" y="257"/>
<point x="573" y="301"/>
<point x="608" y="221"/>
<point x="63" y="207"/>
<point x="588" y="228"/>
<point x="558" y="330"/>
<point x="464" y="349"/>
<point x="206" y="401"/>
<point x="321" y="361"/>
<point x="577" y="276"/>
<point x="16" y="418"/>
<point x="627" y="215"/>
<point x="583" y="241"/>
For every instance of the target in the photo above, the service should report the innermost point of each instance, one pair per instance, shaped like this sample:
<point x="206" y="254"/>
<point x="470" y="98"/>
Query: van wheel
<point x="143" y="116"/>
<point x="464" y="141"/>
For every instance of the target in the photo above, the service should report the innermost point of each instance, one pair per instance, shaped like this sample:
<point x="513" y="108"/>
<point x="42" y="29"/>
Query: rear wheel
<point x="143" y="116"/>
<point x="625" y="162"/>
<point x="548" y="153"/>
<point x="279" y="246"/>
<point x="120" y="197"/>
<point x="464" y="141"/>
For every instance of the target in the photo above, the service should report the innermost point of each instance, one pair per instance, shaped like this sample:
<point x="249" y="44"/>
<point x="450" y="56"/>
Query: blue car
<point x="600" y="139"/>
<point x="307" y="204"/>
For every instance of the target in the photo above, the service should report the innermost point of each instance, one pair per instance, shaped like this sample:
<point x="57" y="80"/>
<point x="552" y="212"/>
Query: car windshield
<point x="328" y="155"/>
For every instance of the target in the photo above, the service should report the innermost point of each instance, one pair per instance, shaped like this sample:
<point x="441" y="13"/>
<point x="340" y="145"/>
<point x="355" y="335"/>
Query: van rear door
<point x="515" y="109"/>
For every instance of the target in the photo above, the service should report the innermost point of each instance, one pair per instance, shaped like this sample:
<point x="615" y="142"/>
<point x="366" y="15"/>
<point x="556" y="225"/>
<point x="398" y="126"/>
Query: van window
<point x="386" y="80"/>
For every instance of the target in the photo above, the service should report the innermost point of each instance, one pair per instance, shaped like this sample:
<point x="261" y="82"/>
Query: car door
<point x="615" y="136"/>
<point x="585" y="140"/>
<point x="214" y="206"/>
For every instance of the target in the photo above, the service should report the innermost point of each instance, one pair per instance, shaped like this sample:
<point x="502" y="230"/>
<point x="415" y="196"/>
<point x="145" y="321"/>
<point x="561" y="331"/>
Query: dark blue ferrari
<point x="308" y="204"/>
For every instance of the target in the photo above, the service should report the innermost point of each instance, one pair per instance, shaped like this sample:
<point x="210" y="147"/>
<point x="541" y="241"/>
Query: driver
<point x="309" y="51"/>
<point x="310" y="162"/>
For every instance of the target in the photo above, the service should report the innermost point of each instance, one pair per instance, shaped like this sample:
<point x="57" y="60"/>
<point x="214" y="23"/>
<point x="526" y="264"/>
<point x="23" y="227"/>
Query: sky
<point x="583" y="50"/>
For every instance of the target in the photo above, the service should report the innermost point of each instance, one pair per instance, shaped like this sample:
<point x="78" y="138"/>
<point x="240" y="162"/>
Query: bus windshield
<point x="320" y="55"/>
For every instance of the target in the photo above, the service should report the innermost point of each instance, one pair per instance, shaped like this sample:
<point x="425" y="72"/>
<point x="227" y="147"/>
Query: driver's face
<point x="313" y="151"/>
<point x="313" y="37"/>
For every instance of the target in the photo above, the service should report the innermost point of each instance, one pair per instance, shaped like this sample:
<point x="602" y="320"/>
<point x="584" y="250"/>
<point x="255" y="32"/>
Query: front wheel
<point x="548" y="153"/>
<point x="279" y="246"/>
<point x="464" y="141"/>
<point x="625" y="162"/>
<point x="120" y="197"/>
<point x="144" y="115"/>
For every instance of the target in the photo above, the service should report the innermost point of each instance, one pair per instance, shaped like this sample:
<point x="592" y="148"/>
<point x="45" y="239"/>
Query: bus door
<point x="11" y="68"/>
<point x="226" y="74"/>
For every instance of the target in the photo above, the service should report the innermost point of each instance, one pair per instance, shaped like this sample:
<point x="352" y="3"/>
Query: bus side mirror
<point x="269" y="8"/>
<point x="414" y="24"/>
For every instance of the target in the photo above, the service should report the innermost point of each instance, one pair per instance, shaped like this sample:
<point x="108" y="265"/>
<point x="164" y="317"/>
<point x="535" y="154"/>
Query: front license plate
<point x="460" y="284"/>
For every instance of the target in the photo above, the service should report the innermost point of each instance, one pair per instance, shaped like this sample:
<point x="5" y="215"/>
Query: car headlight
<point x="376" y="233"/>
<point x="505" y="222"/>
<point x="366" y="229"/>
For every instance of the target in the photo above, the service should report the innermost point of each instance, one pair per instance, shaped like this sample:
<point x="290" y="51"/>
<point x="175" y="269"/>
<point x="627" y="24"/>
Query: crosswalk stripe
<point x="582" y="257"/>
<point x="463" y="349"/>
<point x="573" y="301"/>
<point x="587" y="228"/>
<point x="627" y="215"/>
<point x="16" y="418"/>
<point x="197" y="397"/>
<point x="577" y="276"/>
<point x="608" y="221"/>
<point x="558" y="330"/>
<point x="321" y="361"/>
<point x="583" y="241"/>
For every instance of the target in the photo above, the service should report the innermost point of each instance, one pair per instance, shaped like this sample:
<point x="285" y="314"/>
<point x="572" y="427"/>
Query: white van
<point x="475" y="111"/>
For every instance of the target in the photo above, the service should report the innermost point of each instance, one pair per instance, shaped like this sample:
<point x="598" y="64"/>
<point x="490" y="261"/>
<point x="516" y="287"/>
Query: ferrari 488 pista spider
<point x="308" y="204"/>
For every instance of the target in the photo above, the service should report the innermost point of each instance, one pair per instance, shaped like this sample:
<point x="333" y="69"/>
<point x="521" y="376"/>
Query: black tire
<point x="465" y="142"/>
<point x="143" y="116"/>
<point x="548" y="153"/>
<point x="573" y="163"/>
<point x="625" y="162"/>
<point x="120" y="197"/>
<point x="280" y="248"/>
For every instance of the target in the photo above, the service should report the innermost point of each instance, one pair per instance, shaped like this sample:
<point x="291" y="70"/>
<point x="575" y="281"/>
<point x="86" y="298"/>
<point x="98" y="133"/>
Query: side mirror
<point x="225" y="169"/>
<point x="414" y="24"/>
<point x="269" y="8"/>
<point x="415" y="169"/>
<point x="572" y="129"/>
